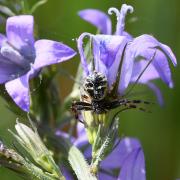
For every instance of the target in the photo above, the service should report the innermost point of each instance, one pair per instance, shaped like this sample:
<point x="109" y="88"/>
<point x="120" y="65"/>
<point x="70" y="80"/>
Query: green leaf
<point x="79" y="165"/>
<point x="74" y="156"/>
<point x="7" y="11"/>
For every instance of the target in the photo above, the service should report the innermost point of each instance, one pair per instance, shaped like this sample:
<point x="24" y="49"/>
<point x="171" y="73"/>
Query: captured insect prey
<point x="96" y="98"/>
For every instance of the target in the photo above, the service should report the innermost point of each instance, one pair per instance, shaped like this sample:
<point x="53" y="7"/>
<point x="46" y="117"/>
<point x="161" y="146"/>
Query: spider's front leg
<point x="80" y="106"/>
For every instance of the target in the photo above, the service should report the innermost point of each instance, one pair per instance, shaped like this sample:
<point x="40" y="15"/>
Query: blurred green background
<point x="159" y="131"/>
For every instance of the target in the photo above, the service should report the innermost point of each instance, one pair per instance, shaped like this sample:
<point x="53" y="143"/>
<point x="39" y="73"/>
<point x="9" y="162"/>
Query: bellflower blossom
<point x="21" y="57"/>
<point x="138" y="52"/>
<point x="127" y="158"/>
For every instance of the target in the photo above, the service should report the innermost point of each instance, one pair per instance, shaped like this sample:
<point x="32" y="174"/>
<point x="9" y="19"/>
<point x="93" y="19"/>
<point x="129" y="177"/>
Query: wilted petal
<point x="120" y="153"/>
<point x="145" y="46"/>
<point x="107" y="51"/>
<point x="18" y="89"/>
<point x="133" y="167"/>
<point x="51" y="52"/>
<point x="98" y="19"/>
<point x="19" y="31"/>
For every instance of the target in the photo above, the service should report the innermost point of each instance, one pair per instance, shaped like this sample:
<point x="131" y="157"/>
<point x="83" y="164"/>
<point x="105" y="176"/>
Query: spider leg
<point x="79" y="106"/>
<point x="137" y="101"/>
<point x="130" y="104"/>
<point x="134" y="104"/>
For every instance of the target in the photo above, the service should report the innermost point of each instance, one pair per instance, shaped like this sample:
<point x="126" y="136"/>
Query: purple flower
<point x="21" y="57"/>
<point x="139" y="54"/>
<point x="127" y="156"/>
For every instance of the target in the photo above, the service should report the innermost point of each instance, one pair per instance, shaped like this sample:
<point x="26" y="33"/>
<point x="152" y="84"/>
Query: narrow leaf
<point x="5" y="10"/>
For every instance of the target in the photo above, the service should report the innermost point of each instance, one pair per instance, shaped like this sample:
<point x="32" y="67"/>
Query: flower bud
<point x="32" y="143"/>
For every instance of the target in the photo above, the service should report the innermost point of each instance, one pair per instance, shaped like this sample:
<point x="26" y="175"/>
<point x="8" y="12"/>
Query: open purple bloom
<point x="140" y="53"/>
<point x="21" y="57"/>
<point x="127" y="156"/>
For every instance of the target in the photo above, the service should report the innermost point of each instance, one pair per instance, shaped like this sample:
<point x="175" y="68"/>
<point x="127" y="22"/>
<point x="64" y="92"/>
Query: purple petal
<point x="169" y="53"/>
<point x="81" y="52"/>
<point x="2" y="39"/>
<point x="149" y="74"/>
<point x="51" y="52"/>
<point x="144" y="47"/>
<point x="19" y="31"/>
<point x="129" y="36"/>
<point x="82" y="141"/>
<point x="107" y="51"/>
<point x="161" y="64"/>
<point x="64" y="135"/>
<point x="80" y="129"/>
<point x="126" y="71"/>
<point x="133" y="167"/>
<point x="100" y="66"/>
<point x="18" y="89"/>
<point x="98" y="19"/>
<point x="66" y="173"/>
<point x="157" y="92"/>
<point x="120" y="153"/>
<point x="14" y="56"/>
<point x="107" y="47"/>
<point x="9" y="70"/>
<point x="106" y="176"/>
